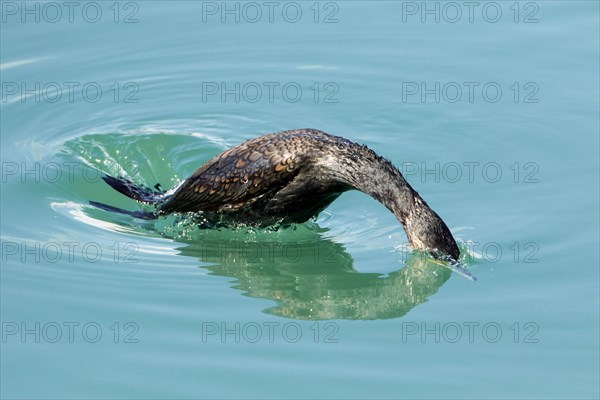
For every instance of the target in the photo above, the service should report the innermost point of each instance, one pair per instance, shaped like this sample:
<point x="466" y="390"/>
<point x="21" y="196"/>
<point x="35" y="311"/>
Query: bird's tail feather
<point x="147" y="215"/>
<point x="140" y="193"/>
<point x="137" y="192"/>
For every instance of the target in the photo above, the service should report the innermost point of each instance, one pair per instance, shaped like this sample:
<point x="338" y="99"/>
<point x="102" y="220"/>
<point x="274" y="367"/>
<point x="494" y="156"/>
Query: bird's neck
<point x="364" y="170"/>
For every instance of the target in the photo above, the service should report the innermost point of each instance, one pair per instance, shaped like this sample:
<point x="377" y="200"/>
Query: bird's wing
<point x="237" y="177"/>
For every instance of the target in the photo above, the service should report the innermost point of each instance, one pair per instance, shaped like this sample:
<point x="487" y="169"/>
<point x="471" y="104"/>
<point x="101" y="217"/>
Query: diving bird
<point x="288" y="177"/>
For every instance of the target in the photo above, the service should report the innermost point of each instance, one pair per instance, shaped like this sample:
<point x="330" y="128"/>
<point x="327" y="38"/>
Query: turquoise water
<point x="491" y="113"/>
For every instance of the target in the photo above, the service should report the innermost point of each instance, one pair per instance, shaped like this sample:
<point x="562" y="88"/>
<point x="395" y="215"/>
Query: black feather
<point x="147" y="215"/>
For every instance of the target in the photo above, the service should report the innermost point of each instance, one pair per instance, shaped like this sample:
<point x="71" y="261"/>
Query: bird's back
<point x="272" y="177"/>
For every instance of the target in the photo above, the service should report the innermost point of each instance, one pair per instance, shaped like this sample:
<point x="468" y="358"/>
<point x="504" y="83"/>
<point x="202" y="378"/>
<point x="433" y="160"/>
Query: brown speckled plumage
<point x="289" y="177"/>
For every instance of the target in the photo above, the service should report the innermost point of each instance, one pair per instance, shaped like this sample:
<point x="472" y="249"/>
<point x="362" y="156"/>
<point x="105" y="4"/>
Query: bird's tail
<point x="134" y="191"/>
<point x="139" y="193"/>
<point x="148" y="215"/>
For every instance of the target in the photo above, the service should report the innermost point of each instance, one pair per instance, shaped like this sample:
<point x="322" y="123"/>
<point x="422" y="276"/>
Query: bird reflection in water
<point x="316" y="279"/>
